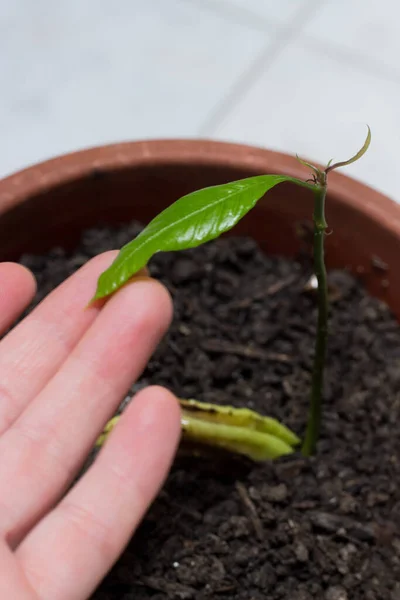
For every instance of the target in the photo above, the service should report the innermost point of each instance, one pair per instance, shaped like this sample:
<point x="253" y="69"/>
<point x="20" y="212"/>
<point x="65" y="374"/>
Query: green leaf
<point x="190" y="221"/>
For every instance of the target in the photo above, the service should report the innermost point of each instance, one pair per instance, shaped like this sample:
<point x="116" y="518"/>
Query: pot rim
<point x="38" y="178"/>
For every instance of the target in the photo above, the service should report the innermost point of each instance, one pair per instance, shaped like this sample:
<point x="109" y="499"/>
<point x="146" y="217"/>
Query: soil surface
<point x="243" y="334"/>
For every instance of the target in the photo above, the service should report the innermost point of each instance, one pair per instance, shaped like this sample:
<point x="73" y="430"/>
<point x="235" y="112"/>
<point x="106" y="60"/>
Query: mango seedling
<point x="200" y="217"/>
<point x="238" y="430"/>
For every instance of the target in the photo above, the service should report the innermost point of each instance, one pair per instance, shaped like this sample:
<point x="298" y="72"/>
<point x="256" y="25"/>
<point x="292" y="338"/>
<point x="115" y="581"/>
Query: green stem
<point x="320" y="225"/>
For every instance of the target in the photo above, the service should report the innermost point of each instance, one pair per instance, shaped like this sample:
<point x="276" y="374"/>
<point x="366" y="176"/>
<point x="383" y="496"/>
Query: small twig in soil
<point x="175" y="348"/>
<point x="261" y="294"/>
<point x="351" y="529"/>
<point x="226" y="347"/>
<point x="225" y="589"/>
<point x="280" y="285"/>
<point x="171" y="589"/>
<point x="251" y="509"/>
<point x="194" y="514"/>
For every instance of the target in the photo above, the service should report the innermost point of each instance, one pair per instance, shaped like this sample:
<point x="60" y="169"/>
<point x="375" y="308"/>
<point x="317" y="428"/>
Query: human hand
<point x="63" y="371"/>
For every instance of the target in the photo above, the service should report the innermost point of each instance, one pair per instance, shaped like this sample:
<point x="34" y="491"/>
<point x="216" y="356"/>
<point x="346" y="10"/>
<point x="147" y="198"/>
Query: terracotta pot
<point x="51" y="203"/>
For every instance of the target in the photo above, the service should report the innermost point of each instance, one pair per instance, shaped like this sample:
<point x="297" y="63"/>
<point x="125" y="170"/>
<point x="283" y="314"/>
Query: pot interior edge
<point x="58" y="215"/>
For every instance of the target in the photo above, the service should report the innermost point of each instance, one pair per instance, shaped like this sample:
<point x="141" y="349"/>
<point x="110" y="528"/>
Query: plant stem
<point x="320" y="225"/>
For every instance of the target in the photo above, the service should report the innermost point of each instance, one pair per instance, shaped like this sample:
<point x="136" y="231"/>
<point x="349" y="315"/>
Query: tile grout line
<point x="261" y="64"/>
<point x="236" y="14"/>
<point x="340" y="54"/>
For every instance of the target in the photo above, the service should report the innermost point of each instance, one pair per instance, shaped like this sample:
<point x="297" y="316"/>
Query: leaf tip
<point x="355" y="157"/>
<point x="97" y="296"/>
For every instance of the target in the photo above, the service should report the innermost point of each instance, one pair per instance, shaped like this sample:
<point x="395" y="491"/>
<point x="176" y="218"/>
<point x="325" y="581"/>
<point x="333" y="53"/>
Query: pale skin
<point x="63" y="371"/>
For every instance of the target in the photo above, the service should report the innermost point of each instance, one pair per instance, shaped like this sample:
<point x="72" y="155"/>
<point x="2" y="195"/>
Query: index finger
<point x="17" y="288"/>
<point x="33" y="351"/>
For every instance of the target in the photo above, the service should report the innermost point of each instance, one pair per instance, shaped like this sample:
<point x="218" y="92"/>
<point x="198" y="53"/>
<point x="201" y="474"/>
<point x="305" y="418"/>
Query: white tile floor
<point x="296" y="75"/>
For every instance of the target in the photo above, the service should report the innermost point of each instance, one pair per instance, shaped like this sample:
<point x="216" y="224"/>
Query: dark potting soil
<point x="326" y="527"/>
